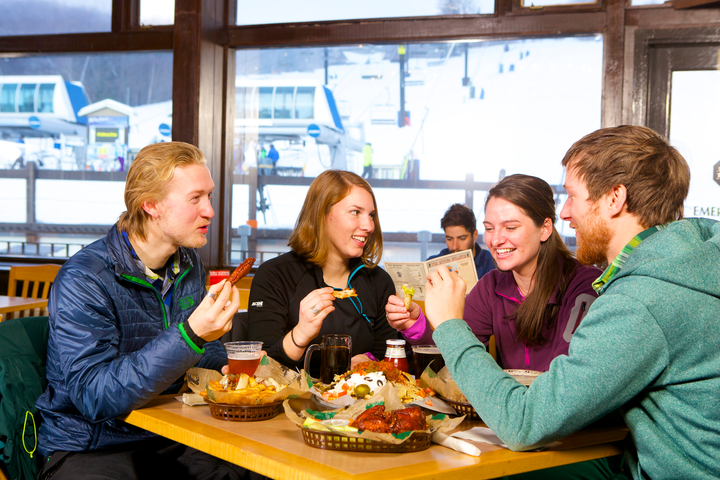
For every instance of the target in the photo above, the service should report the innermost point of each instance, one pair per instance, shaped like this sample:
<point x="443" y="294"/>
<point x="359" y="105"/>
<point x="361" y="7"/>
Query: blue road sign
<point x="313" y="130"/>
<point x="165" y="129"/>
<point x="34" y="122"/>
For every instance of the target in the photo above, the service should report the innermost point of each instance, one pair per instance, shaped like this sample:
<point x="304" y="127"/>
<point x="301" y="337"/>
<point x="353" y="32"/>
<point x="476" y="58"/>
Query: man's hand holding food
<point x="213" y="317"/>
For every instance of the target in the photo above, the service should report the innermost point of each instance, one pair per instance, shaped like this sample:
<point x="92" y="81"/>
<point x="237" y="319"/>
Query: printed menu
<point x="415" y="273"/>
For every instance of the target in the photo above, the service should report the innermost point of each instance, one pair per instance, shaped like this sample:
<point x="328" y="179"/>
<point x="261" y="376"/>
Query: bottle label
<point x="395" y="352"/>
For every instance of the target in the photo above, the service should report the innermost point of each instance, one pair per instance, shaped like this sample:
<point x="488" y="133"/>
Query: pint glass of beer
<point x="243" y="357"/>
<point x="427" y="355"/>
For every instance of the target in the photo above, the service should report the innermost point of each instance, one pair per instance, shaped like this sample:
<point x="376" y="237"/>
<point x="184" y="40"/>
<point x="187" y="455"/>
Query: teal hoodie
<point x="649" y="347"/>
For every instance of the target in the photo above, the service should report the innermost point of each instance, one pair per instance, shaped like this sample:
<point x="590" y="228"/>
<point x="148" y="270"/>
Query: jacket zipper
<point x="145" y="284"/>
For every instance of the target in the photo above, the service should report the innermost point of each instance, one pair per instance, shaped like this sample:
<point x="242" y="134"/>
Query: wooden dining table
<point x="18" y="304"/>
<point x="275" y="448"/>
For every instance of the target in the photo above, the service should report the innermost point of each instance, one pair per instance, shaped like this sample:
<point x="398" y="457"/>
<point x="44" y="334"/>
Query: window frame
<point x="203" y="76"/>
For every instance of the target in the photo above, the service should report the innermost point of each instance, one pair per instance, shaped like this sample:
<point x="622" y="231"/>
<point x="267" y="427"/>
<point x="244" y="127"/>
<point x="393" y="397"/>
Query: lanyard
<point x="359" y="309"/>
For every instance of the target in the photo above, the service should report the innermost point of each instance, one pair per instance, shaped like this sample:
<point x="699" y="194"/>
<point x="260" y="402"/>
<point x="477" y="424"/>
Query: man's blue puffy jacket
<point x="114" y="345"/>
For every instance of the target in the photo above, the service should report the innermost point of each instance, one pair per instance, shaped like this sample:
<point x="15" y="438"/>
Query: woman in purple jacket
<point x="536" y="298"/>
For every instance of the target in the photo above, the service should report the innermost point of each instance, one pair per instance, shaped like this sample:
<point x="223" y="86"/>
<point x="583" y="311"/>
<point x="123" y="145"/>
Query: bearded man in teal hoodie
<point x="649" y="345"/>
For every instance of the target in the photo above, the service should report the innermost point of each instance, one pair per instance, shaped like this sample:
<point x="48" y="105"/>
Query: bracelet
<point x="293" y="340"/>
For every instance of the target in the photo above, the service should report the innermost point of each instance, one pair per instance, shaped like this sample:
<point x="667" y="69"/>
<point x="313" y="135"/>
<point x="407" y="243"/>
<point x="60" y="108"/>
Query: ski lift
<point x="383" y="115"/>
<point x="415" y="78"/>
<point x="372" y="71"/>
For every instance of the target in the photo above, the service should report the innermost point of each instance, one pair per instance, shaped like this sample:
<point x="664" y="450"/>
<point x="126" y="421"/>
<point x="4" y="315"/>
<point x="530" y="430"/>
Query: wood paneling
<point x="613" y="60"/>
<point x="157" y="38"/>
<point x="416" y="30"/>
<point x="198" y="93"/>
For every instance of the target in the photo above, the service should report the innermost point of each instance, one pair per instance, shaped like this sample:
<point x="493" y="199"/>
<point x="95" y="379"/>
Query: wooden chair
<point x="31" y="281"/>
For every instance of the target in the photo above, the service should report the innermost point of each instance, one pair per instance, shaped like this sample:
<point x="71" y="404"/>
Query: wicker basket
<point x="245" y="413"/>
<point x="463" y="408"/>
<point x="334" y="441"/>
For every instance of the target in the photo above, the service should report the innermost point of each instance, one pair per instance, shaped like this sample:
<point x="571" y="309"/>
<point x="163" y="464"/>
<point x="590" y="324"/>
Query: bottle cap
<point x="398" y="342"/>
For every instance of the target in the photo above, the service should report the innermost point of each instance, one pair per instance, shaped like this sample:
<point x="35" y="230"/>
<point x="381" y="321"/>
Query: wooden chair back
<point x="40" y="277"/>
<point x="31" y="281"/>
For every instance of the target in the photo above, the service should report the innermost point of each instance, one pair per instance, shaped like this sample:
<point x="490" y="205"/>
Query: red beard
<point x="593" y="240"/>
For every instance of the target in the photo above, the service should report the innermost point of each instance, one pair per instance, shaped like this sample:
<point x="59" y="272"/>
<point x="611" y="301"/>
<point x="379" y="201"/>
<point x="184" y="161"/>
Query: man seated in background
<point x="461" y="233"/>
<point x="128" y="317"/>
<point x="648" y="346"/>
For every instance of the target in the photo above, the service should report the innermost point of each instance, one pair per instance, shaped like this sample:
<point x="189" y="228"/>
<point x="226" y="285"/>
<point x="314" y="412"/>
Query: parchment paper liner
<point x="297" y="384"/>
<point x="392" y="402"/>
<point x="438" y="405"/>
<point x="442" y="383"/>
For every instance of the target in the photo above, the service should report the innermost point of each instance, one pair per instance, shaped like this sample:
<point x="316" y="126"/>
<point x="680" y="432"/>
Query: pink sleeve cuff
<point x="417" y="330"/>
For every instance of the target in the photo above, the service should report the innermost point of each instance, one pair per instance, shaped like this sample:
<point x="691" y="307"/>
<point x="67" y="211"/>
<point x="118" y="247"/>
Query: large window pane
<point x="37" y="17"/>
<point x="8" y="97"/>
<point x="305" y="102"/>
<point x="78" y="113"/>
<point x="283" y="102"/>
<point x="26" y="101"/>
<point x="291" y="11"/>
<point x="453" y="111"/>
<point x="266" y="101"/>
<point x="550" y="3"/>
<point x="45" y="98"/>
<point x="157" y="12"/>
<point x="694" y="136"/>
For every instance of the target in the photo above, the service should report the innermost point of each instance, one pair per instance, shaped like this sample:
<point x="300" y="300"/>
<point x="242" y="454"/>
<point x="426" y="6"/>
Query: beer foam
<point x="427" y="350"/>
<point x="244" y="355"/>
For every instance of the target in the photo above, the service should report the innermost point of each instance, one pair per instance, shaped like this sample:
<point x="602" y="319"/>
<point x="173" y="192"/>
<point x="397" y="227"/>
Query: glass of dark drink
<point x="243" y="357"/>
<point x="427" y="355"/>
<point x="335" y="350"/>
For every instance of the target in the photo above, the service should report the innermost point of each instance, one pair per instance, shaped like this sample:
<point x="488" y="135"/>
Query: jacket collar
<point x="124" y="261"/>
<point x="318" y="273"/>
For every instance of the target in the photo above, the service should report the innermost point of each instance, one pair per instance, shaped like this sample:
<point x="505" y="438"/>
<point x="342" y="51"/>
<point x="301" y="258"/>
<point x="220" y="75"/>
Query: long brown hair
<point x="309" y="238"/>
<point x="555" y="263"/>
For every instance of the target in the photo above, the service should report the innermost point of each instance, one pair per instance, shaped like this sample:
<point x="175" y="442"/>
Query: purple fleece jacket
<point x="496" y="298"/>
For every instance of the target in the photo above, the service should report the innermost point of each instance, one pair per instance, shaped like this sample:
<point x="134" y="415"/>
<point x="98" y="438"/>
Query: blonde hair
<point x="148" y="179"/>
<point x="655" y="175"/>
<point x="309" y="238"/>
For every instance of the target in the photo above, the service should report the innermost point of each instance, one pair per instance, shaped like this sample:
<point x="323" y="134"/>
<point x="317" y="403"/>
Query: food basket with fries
<point x="245" y="413"/>
<point x="241" y="398"/>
